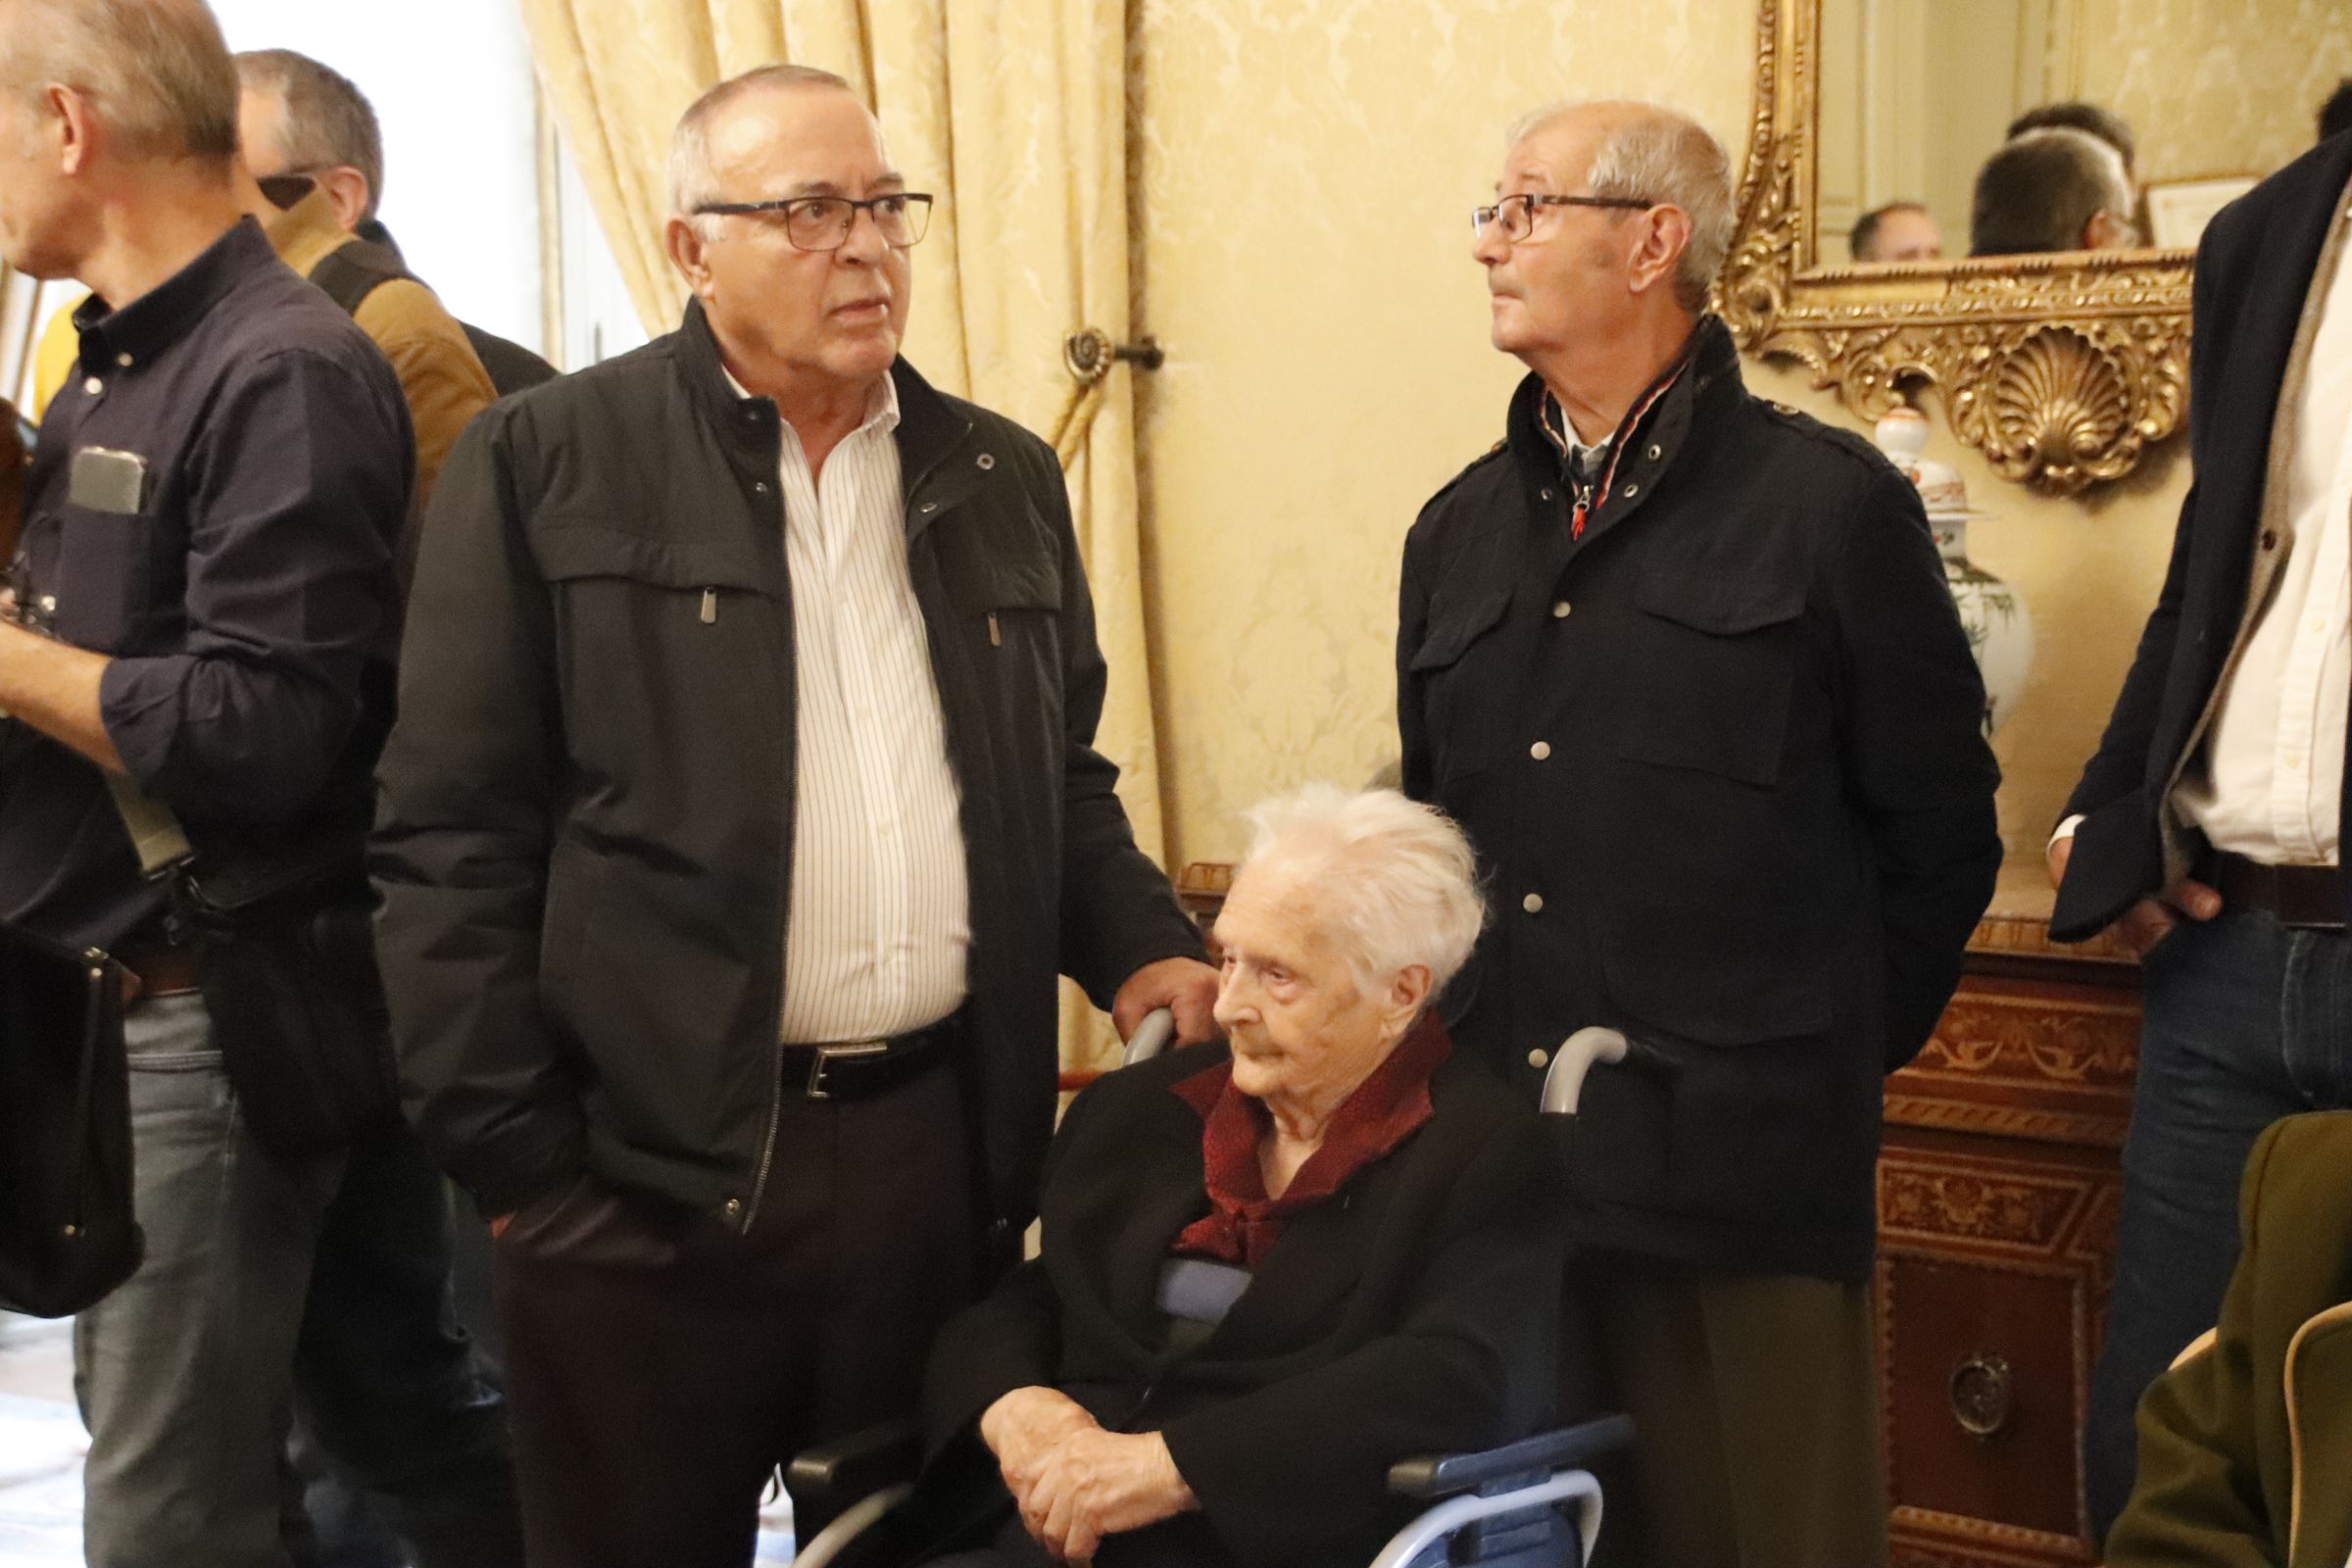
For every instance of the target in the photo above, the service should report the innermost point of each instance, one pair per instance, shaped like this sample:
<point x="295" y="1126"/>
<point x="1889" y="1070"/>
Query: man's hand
<point x="1024" y="1427"/>
<point x="2150" y="920"/>
<point x="1186" y="986"/>
<point x="1095" y="1484"/>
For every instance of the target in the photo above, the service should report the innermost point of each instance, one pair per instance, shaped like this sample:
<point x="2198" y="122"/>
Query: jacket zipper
<point x="775" y="1061"/>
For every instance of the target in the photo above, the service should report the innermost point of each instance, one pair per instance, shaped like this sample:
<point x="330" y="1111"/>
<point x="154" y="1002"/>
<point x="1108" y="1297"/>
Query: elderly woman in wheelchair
<point x="1270" y="1273"/>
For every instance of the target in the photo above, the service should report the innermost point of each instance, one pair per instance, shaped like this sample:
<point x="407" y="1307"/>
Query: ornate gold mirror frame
<point x="2061" y="370"/>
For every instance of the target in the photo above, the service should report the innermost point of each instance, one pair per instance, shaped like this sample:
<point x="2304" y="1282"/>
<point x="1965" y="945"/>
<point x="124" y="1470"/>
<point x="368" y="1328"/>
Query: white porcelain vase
<point x="2001" y="631"/>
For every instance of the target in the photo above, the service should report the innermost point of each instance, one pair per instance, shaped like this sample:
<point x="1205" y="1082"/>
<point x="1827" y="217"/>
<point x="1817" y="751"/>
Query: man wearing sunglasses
<point x="1683" y="665"/>
<point x="742" y="811"/>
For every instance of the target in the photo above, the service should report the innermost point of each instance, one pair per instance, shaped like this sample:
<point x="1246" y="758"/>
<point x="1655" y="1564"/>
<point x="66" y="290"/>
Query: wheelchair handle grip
<point x="1153" y="1036"/>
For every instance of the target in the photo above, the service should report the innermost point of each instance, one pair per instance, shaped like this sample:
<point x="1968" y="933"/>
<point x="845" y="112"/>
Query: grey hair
<point x="156" y="72"/>
<point x="1661" y="155"/>
<point x="329" y="123"/>
<point x="692" y="181"/>
<point x="1401" y="877"/>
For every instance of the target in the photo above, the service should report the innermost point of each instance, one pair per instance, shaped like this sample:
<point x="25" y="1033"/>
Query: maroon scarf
<point x="1243" y="1223"/>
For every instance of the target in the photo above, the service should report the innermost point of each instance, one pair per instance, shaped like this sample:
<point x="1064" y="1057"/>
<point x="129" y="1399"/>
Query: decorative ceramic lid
<point x="1902" y="434"/>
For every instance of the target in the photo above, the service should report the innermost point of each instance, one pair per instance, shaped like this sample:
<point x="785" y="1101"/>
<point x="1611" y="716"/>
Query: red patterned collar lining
<point x="1243" y="1223"/>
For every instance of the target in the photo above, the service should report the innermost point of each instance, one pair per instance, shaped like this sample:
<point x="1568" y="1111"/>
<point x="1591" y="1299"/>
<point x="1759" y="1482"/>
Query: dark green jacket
<point x="584" y="838"/>
<point x="2245" y="1445"/>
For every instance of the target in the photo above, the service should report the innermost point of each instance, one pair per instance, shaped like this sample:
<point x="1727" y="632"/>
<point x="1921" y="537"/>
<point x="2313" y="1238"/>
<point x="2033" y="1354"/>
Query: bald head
<point x="1629" y="150"/>
<point x="154" y="73"/>
<point x="693" y="163"/>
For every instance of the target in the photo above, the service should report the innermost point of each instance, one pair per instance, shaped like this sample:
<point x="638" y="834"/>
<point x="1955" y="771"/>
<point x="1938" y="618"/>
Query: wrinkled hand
<point x="1023" y="1427"/>
<point x="1185" y="986"/>
<point x="1095" y="1484"/>
<point x="2150" y="920"/>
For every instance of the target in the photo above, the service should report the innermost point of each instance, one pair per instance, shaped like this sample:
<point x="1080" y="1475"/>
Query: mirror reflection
<point x="1952" y="129"/>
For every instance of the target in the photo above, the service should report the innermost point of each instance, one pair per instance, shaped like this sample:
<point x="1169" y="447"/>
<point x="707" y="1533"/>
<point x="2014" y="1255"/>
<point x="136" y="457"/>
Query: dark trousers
<point x="659" y="1365"/>
<point x="1755" y="1417"/>
<point x="2248" y="1021"/>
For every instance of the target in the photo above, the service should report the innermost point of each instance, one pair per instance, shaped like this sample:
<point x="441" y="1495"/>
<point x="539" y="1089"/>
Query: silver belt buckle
<point x="829" y="1054"/>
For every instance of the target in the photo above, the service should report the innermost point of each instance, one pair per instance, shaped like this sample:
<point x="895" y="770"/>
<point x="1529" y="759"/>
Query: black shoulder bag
<point x="68" y="1234"/>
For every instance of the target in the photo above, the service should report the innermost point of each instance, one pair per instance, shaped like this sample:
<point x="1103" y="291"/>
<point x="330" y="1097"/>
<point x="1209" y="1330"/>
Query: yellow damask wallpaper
<point x="1304" y="170"/>
<point x="2214" y="86"/>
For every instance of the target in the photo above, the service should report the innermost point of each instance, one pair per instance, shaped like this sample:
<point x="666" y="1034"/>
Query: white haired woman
<point x="1272" y="1271"/>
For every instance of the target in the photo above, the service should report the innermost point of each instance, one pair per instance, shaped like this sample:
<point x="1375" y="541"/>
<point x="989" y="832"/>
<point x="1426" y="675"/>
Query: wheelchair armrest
<point x="1443" y="1475"/>
<point x="827" y="1478"/>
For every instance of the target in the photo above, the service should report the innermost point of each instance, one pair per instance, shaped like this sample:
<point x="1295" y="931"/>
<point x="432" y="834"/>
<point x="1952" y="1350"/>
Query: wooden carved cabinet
<point x="1999" y="1185"/>
<point x="1998" y="1189"/>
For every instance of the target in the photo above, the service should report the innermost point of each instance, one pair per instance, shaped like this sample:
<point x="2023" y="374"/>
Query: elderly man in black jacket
<point x="2207" y="827"/>
<point x="742" y="809"/>
<point x="1683" y="665"/>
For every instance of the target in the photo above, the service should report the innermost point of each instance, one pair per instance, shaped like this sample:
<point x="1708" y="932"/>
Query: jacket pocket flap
<point x="1714" y="1004"/>
<point x="1024" y="585"/>
<point x="1722" y="604"/>
<point x="575" y="550"/>
<point x="1456" y="622"/>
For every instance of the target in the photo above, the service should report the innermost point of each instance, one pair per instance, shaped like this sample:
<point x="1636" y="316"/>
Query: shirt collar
<point x="307" y="232"/>
<point x="168" y="313"/>
<point x="881" y="404"/>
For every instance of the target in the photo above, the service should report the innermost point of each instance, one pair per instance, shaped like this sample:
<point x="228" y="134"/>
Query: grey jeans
<point x="273" y="1287"/>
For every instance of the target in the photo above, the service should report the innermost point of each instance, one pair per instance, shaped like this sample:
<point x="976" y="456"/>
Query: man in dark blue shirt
<point x="207" y="615"/>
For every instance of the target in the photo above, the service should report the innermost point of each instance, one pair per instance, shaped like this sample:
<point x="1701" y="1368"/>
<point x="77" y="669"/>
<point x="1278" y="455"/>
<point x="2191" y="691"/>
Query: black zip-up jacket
<point x="1724" y="766"/>
<point x="585" y="821"/>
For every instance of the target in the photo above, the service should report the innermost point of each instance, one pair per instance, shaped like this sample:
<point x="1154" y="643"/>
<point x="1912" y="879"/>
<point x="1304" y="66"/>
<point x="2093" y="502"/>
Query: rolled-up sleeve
<point x="299" y="484"/>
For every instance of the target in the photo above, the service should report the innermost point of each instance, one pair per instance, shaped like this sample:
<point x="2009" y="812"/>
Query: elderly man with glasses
<point x="742" y="809"/>
<point x="1683" y="665"/>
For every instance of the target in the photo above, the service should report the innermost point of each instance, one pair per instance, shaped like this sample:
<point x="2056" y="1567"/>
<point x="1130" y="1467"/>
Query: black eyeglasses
<point x="1517" y="216"/>
<point x="823" y="223"/>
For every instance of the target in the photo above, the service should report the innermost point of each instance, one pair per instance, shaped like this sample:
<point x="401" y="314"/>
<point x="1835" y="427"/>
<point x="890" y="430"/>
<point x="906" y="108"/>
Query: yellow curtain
<point x="1013" y="113"/>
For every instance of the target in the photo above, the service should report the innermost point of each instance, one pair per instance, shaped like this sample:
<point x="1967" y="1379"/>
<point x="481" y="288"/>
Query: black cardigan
<point x="1414" y="1313"/>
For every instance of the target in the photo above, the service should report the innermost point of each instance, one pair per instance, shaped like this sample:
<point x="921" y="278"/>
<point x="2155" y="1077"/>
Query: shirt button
<point x="123" y="360"/>
<point x="1532" y="904"/>
<point x="1559" y="611"/>
<point x="48" y="604"/>
<point x="1540" y="750"/>
<point x="93" y="386"/>
<point x="1547" y="494"/>
<point x="1538" y="1056"/>
<point x="987" y="461"/>
<point x="733" y="1207"/>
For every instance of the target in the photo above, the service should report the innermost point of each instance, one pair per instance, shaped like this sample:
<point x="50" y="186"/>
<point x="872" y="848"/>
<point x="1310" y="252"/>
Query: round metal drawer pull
<point x="1984" y="1395"/>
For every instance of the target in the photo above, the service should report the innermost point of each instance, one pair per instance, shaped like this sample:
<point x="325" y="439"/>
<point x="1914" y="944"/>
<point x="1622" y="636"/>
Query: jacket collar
<point x="930" y="424"/>
<point x="1647" y="442"/>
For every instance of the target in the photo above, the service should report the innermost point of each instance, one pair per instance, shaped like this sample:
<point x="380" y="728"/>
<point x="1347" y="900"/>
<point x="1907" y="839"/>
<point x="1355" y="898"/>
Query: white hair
<point x="693" y="183"/>
<point x="1659" y="155"/>
<point x="1401" y="879"/>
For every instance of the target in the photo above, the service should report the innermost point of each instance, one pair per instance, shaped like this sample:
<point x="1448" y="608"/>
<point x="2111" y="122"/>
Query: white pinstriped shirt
<point x="880" y="920"/>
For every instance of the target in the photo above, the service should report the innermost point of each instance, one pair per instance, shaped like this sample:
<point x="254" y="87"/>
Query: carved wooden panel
<point x="1998" y="1192"/>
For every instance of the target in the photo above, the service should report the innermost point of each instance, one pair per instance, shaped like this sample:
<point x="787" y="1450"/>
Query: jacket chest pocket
<point x="1456" y="682"/>
<point x="650" y="627"/>
<point x="1710" y="672"/>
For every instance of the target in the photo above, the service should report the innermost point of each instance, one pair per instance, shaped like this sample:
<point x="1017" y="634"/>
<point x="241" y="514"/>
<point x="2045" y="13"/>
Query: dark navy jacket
<point x="1724" y="766"/>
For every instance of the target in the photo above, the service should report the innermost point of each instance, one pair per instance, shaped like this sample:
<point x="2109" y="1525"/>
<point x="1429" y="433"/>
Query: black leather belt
<point x="857" y="1068"/>
<point x="2296" y="895"/>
